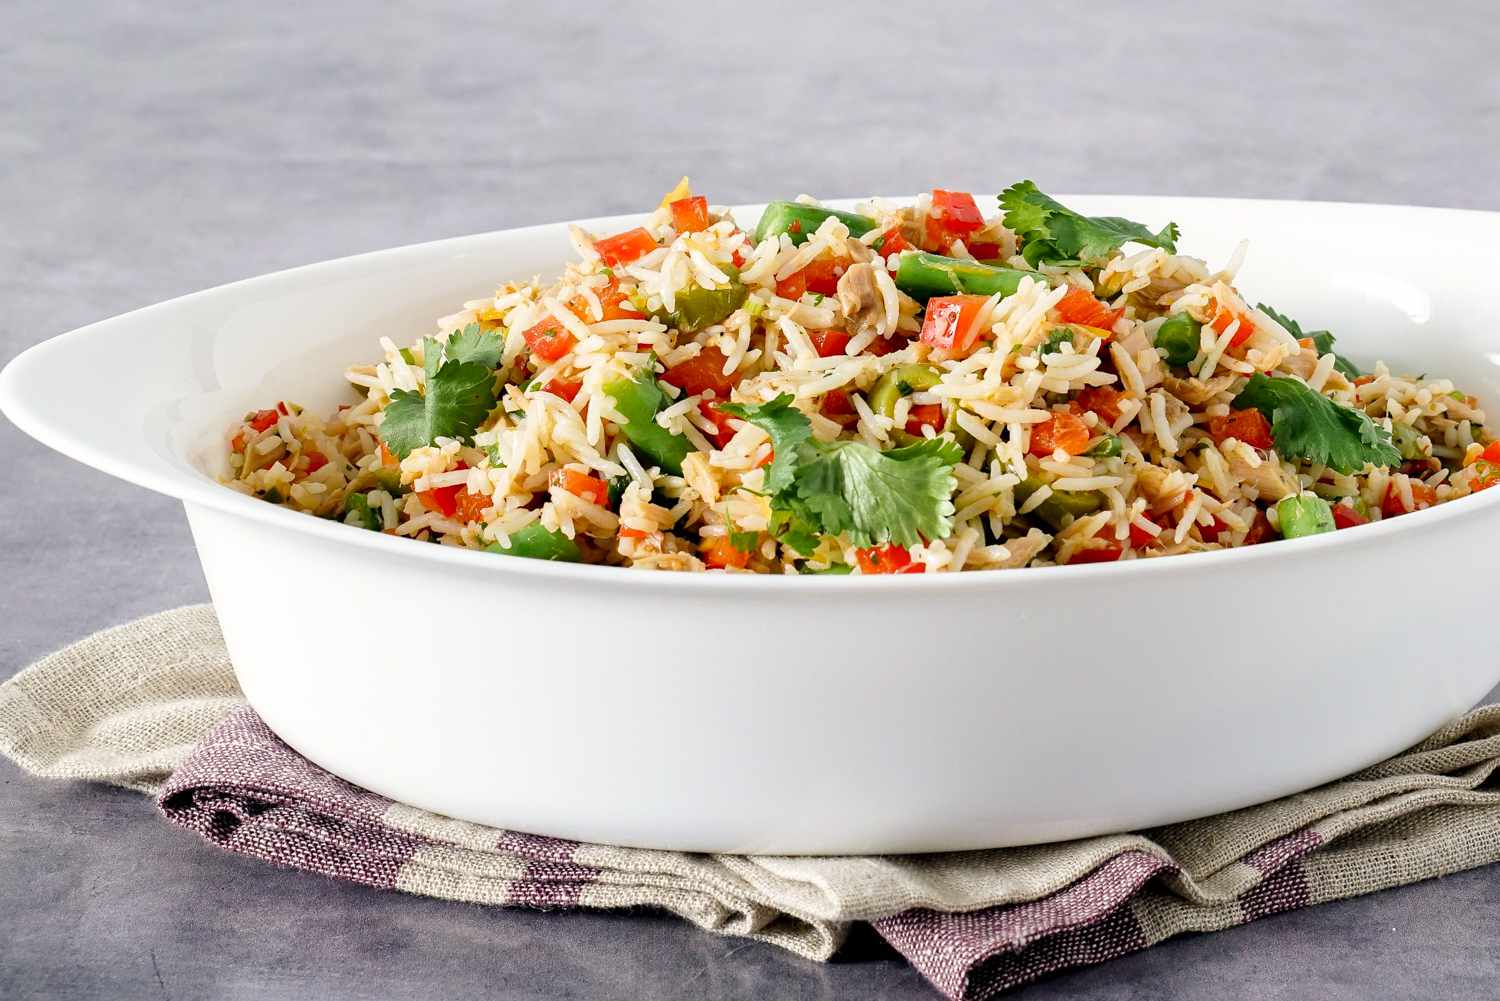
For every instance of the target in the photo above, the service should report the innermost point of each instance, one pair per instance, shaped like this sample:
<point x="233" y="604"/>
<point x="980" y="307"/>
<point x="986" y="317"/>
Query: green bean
<point x="1306" y="514"/>
<point x="1178" y="339"/>
<point x="800" y="221"/>
<point x="639" y="400"/>
<point x="923" y="276"/>
<point x="536" y="542"/>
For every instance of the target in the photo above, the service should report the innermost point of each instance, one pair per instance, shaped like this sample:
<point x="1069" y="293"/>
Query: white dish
<point x="809" y="714"/>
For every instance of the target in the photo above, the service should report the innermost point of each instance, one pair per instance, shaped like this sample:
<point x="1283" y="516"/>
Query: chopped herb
<point x="1051" y="233"/>
<point x="458" y="397"/>
<point x="1055" y="340"/>
<point x="818" y="298"/>
<point x="471" y="344"/>
<point x="1322" y="341"/>
<point x="1308" y="425"/>
<point x="744" y="541"/>
<point x="788" y="429"/>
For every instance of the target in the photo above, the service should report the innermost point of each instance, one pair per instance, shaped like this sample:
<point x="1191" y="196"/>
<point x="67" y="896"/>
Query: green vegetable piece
<point x="902" y="495"/>
<point x="800" y="221"/>
<point x="536" y="542"/>
<point x="1061" y="506"/>
<point x="1051" y="233"/>
<point x="273" y="495"/>
<point x="744" y="542"/>
<point x="408" y="357"/>
<point x="1056" y="338"/>
<point x="1308" y="425"/>
<point x="788" y="428"/>
<point x="639" y="400"/>
<point x="459" y="395"/>
<point x="922" y="276"/>
<point x="698" y="308"/>
<point x="1178" y="339"/>
<point x="903" y="380"/>
<point x="1107" y="447"/>
<point x="389" y="478"/>
<point x="1306" y="514"/>
<point x="1408" y="440"/>
<point x="832" y="570"/>
<point x="1322" y="341"/>
<point x="368" y="516"/>
<point x="471" y="344"/>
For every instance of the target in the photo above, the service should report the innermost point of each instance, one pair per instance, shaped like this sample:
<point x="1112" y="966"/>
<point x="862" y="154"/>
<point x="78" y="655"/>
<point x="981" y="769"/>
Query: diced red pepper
<point x="1344" y="516"/>
<point x="622" y="248"/>
<point x="633" y="533"/>
<point x="315" y="461"/>
<point x="953" y="216"/>
<point x="887" y="559"/>
<point x="1491" y="452"/>
<point x="1078" y="306"/>
<point x="614" y="304"/>
<point x="924" y="415"/>
<point x="880" y="346"/>
<point x="723" y="432"/>
<point x="823" y="274"/>
<point x="793" y="286"/>
<point x="1103" y="552"/>
<point x="387" y="457"/>
<point x="1211" y="532"/>
<point x="985" y="251"/>
<point x="1140" y="538"/>
<point x="701" y="373"/>
<point x="837" y="407"/>
<point x="1103" y="401"/>
<point x="1249" y="426"/>
<point x="690" y="215"/>
<point x="1063" y="430"/>
<point x="950" y="323"/>
<point x="549" y="340"/>
<point x="828" y="342"/>
<point x="1224" y="317"/>
<point x="565" y="388"/>
<point x="893" y="242"/>
<point x="720" y="554"/>
<point x="471" y="506"/>
<point x="263" y="419"/>
<point x="1422" y="496"/>
<point x="590" y="488"/>
<point x="1260" y="531"/>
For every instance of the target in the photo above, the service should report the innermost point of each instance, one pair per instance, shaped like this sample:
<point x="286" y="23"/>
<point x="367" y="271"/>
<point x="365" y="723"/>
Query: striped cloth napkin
<point x="153" y="706"/>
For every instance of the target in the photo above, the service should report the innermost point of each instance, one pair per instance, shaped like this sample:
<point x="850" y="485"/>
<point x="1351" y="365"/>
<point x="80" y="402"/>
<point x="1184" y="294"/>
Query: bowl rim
<point x="196" y="488"/>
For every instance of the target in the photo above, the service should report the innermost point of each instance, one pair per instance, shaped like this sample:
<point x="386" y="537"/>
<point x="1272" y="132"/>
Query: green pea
<point x="1306" y="514"/>
<point x="1178" y="339"/>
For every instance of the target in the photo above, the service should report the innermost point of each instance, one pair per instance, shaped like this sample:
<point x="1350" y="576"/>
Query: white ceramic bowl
<point x="809" y="714"/>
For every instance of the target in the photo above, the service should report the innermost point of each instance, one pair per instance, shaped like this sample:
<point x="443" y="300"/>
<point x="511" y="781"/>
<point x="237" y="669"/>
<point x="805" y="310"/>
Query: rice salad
<point x="898" y="389"/>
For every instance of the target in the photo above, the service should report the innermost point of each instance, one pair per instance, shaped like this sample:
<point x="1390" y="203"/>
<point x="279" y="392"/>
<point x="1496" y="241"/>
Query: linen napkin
<point x="153" y="706"/>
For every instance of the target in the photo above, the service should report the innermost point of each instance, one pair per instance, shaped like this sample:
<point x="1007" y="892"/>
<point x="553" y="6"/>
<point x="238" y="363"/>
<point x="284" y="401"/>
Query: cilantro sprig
<point x="1052" y="233"/>
<point x="459" y="395"/>
<point x="1322" y="340"/>
<point x="900" y="495"/>
<point x="1308" y="425"/>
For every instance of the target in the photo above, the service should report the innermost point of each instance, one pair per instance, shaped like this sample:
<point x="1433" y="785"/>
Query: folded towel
<point x="153" y="706"/>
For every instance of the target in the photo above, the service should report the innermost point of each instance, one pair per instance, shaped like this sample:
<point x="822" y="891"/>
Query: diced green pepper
<point x="368" y="516"/>
<point x="536" y="542"/>
<point x="1105" y="448"/>
<point x="639" y="400"/>
<point x="1178" y="339"/>
<point x="1061" y="506"/>
<point x="833" y="569"/>
<point x="922" y="276"/>
<point x="389" y="478"/>
<point x="1408" y="440"/>
<point x="800" y="221"/>
<point x="408" y="357"/>
<point x="697" y="307"/>
<point x="1305" y="514"/>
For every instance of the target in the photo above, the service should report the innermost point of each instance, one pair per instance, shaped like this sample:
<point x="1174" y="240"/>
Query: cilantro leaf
<point x="458" y="397"/>
<point x="1052" y="233"/>
<point x="1308" y="425"/>
<point x="788" y="428"/>
<point x="744" y="541"/>
<point x="471" y="344"/>
<point x="902" y="495"/>
<point x="791" y="525"/>
<point x="1322" y="340"/>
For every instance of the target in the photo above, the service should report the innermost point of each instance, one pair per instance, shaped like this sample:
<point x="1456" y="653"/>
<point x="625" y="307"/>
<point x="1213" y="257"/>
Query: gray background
<point x="149" y="150"/>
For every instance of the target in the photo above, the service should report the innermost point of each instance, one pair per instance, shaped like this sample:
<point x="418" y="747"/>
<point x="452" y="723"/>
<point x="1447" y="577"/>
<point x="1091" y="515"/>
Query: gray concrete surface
<point x="149" y="150"/>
